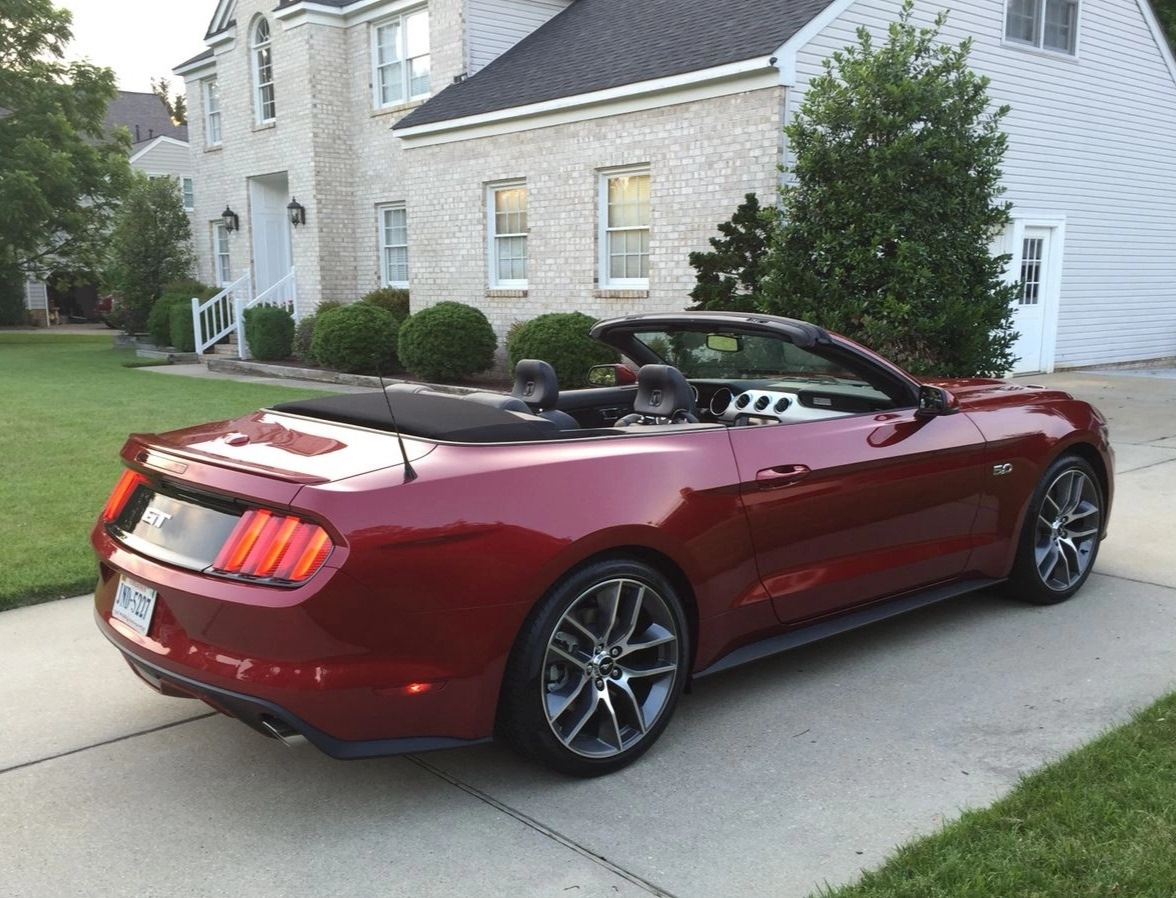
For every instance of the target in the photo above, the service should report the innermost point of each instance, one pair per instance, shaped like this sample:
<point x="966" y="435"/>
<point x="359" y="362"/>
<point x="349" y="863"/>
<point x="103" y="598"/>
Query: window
<point x="624" y="229"/>
<point x="212" y="114"/>
<point x="400" y="56"/>
<point x="222" y="270"/>
<point x="394" y="245"/>
<point x="188" y="194"/>
<point x="1031" y="255"/>
<point x="263" y="73"/>
<point x="1048" y="24"/>
<point x="507" y="217"/>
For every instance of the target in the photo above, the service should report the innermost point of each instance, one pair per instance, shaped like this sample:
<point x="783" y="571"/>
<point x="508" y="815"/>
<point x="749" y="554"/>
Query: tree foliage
<point x="1165" y="11"/>
<point x="728" y="276"/>
<point x="61" y="176"/>
<point x="886" y="230"/>
<point x="177" y="106"/>
<point x="149" y="247"/>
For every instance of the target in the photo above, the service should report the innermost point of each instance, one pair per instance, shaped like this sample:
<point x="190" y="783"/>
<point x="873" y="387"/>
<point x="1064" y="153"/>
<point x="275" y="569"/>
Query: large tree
<point x="61" y="176"/>
<point x="887" y="225"/>
<point x="150" y="246"/>
<point x="1166" y="14"/>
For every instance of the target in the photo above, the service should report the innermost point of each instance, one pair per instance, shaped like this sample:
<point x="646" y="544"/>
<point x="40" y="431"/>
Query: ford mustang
<point x="409" y="569"/>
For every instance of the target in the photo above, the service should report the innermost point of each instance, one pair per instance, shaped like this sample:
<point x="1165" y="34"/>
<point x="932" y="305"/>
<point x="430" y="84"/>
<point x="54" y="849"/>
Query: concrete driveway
<point x="772" y="779"/>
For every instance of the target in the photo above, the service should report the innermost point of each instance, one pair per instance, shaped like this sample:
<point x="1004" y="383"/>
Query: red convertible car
<point x="407" y="569"/>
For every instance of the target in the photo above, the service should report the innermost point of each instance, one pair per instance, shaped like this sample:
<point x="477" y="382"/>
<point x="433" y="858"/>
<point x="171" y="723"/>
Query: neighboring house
<point x="159" y="148"/>
<point x="533" y="155"/>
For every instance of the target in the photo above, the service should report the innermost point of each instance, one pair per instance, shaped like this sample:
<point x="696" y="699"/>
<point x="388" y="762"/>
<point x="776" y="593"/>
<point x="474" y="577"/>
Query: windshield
<point x="709" y="354"/>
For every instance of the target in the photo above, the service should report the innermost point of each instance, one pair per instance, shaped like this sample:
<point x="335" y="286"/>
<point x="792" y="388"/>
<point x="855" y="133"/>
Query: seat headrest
<point x="535" y="384"/>
<point x="662" y="391"/>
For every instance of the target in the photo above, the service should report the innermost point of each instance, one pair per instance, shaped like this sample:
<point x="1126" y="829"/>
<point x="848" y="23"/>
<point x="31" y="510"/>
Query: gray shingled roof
<point x="597" y="44"/>
<point x="144" y="115"/>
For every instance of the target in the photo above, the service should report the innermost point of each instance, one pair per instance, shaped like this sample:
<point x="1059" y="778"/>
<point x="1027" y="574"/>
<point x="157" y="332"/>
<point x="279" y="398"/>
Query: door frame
<point x="1051" y="294"/>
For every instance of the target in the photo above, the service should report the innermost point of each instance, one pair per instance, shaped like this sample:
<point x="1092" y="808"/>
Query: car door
<point x="850" y="509"/>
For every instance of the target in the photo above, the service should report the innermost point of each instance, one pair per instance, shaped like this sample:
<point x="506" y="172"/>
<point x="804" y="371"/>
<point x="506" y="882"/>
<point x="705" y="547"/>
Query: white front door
<point x="1033" y="265"/>
<point x="272" y="259"/>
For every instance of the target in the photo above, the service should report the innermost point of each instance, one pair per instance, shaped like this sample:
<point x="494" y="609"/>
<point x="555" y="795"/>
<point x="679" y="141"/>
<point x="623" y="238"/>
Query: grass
<point x="1100" y="822"/>
<point x="67" y="404"/>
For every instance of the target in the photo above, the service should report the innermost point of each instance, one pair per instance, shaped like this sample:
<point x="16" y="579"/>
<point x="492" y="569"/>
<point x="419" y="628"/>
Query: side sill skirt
<point x="792" y="639"/>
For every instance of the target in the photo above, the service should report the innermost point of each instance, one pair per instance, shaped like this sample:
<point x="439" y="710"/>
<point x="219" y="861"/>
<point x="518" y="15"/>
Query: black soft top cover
<point x="429" y="415"/>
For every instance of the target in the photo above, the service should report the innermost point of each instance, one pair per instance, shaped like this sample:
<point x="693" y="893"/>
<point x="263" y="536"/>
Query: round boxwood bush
<point x="175" y="293"/>
<point x="304" y="331"/>
<point x="269" y="332"/>
<point x="359" y="338"/>
<point x="448" y="341"/>
<point x="394" y="299"/>
<point x="560" y="338"/>
<point x="181" y="331"/>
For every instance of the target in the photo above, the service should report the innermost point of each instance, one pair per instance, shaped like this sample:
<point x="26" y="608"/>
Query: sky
<point x="139" y="39"/>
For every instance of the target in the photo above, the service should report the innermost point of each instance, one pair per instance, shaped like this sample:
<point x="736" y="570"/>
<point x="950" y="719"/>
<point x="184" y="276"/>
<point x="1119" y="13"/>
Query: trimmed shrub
<point x="448" y="341"/>
<point x="304" y="331"/>
<point x="394" y="299"/>
<point x="359" y="338"/>
<point x="560" y="338"/>
<point x="269" y="332"/>
<point x="174" y="293"/>
<point x="181" y="331"/>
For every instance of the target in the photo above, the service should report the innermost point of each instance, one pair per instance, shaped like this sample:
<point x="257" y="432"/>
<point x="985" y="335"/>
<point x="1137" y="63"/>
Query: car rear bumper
<point x="270" y="718"/>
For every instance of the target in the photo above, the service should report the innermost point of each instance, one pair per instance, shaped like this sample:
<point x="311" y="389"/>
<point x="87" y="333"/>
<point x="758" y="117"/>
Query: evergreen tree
<point x="729" y="275"/>
<point x="886" y="230"/>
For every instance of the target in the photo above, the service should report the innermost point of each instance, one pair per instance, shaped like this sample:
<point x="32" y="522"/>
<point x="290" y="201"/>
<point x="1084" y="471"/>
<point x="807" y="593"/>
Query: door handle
<point x="780" y="475"/>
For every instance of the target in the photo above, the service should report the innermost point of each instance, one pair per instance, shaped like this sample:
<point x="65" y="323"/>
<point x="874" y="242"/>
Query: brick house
<point x="532" y="155"/>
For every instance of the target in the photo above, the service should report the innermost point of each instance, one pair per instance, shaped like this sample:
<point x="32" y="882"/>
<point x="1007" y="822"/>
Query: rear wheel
<point x="1061" y="533"/>
<point x="597" y="670"/>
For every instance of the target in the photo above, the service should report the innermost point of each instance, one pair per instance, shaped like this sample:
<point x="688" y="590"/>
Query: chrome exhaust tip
<point x="283" y="732"/>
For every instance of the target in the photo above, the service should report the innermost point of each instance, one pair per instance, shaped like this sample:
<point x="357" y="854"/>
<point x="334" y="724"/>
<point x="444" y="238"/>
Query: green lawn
<point x="1100" y="822"/>
<point x="67" y="404"/>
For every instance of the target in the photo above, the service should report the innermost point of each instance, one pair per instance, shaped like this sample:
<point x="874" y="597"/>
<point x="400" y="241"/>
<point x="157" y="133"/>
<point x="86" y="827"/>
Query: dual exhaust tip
<point x="281" y="731"/>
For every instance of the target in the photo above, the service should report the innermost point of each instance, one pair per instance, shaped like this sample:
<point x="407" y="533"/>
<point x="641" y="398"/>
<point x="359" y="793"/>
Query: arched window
<point x="263" y="72"/>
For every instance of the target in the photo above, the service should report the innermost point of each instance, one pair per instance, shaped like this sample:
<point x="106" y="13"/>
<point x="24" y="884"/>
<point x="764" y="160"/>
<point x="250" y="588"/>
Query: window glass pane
<point x="388" y="43"/>
<point x="394" y="237"/>
<point x="1031" y="251"/>
<point x="402" y="58"/>
<point x="188" y="194"/>
<point x="1022" y="20"/>
<point x="392" y="84"/>
<point x="417" y="26"/>
<point x="1060" y="17"/>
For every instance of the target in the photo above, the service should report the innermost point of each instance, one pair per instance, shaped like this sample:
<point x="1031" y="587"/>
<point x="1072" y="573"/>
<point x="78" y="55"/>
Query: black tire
<point x="1061" y="533"/>
<point x="597" y="669"/>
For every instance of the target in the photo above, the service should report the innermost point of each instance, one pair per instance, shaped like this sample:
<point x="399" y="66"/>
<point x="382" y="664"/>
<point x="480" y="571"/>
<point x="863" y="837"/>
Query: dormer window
<point x="400" y="57"/>
<point x="1045" y="24"/>
<point x="263" y="73"/>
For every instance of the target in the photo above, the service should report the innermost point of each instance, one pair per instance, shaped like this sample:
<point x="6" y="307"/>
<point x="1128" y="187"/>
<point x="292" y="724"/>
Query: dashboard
<point x="791" y="401"/>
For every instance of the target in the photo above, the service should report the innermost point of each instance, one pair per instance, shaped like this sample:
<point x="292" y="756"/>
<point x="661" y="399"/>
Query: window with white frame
<point x="263" y="73"/>
<point x="394" y="245"/>
<point x="222" y="270"/>
<point x="1046" y="24"/>
<point x="188" y="194"/>
<point x="400" y="58"/>
<point x="624" y="228"/>
<point x="212" y="114"/>
<point x="506" y="215"/>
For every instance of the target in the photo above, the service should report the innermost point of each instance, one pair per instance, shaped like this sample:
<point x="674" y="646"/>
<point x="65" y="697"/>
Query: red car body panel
<point x="404" y="633"/>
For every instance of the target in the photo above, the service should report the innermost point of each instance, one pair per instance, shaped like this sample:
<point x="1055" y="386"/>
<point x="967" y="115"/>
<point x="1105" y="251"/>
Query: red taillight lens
<point x="273" y="546"/>
<point x="121" y="493"/>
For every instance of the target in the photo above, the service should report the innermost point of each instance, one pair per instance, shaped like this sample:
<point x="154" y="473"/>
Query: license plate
<point x="133" y="605"/>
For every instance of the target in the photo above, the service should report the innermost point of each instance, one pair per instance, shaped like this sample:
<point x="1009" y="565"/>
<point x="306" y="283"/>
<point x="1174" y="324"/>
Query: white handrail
<point x="216" y="318"/>
<point x="282" y="294"/>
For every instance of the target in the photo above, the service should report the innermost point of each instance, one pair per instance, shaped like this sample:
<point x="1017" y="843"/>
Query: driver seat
<point x="664" y="396"/>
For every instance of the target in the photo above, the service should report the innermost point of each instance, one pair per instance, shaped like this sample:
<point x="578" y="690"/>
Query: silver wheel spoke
<point x="589" y="712"/>
<point x="621" y="687"/>
<point x="1068" y="527"/>
<point x="559" y="651"/>
<point x="558" y="712"/>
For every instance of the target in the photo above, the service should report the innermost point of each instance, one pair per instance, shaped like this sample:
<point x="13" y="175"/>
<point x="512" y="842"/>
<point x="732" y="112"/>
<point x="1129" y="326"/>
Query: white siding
<point x="1090" y="140"/>
<point x="494" y="26"/>
<point x="165" y="158"/>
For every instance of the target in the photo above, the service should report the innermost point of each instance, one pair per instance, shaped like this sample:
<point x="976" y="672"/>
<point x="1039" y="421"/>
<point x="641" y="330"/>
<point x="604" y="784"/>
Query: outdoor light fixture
<point x="230" y="219"/>
<point x="297" y="212"/>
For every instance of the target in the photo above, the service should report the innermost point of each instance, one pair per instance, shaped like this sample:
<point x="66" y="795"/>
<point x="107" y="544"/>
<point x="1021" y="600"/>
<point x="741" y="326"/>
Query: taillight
<point x="272" y="546"/>
<point x="121" y="493"/>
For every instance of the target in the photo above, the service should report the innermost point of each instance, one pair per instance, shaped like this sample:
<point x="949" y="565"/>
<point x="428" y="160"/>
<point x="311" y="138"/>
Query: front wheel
<point x="597" y="669"/>
<point x="1061" y="533"/>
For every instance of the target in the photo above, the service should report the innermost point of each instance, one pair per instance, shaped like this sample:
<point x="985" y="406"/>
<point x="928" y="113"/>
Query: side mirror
<point x="934" y="401"/>
<point x="611" y="376"/>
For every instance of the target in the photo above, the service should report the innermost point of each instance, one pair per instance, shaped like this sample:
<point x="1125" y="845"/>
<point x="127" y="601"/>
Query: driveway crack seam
<point x="543" y="829"/>
<point x="116" y="739"/>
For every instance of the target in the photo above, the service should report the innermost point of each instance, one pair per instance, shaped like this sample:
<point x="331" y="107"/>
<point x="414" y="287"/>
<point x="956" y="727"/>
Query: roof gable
<point x="595" y="45"/>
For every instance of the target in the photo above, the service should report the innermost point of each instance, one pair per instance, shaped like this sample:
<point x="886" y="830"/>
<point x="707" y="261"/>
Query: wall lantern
<point x="297" y="212"/>
<point x="230" y="219"/>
